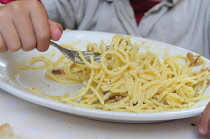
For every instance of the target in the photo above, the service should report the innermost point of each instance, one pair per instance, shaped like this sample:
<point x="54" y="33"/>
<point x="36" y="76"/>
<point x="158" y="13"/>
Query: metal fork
<point x="74" y="55"/>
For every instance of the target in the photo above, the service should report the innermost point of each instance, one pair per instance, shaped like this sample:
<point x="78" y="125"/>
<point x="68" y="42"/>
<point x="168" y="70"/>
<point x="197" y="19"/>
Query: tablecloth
<point x="32" y="121"/>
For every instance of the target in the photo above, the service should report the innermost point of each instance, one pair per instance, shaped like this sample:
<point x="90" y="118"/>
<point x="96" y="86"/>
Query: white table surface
<point x="31" y="121"/>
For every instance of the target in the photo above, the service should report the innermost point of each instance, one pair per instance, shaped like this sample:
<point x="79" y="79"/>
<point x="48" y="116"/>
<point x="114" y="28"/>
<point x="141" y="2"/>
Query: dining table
<point x="33" y="121"/>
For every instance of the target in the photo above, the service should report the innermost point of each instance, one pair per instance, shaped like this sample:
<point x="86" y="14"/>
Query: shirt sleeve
<point x="62" y="11"/>
<point x="74" y="14"/>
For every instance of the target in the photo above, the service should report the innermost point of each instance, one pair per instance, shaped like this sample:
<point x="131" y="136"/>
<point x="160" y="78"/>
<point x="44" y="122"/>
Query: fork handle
<point x="54" y="44"/>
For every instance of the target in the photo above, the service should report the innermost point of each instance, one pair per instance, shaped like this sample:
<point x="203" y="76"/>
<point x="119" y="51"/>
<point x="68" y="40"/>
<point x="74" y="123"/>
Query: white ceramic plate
<point x="16" y="84"/>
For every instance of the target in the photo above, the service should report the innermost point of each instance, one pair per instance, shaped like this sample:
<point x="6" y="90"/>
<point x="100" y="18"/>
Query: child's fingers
<point x="204" y="124"/>
<point x="9" y="34"/>
<point x="56" y="30"/>
<point x="3" y="47"/>
<point x="25" y="30"/>
<point x="41" y="26"/>
<point x="24" y="24"/>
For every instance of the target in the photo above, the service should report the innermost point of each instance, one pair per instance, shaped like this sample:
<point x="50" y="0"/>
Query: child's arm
<point x="204" y="124"/>
<point x="25" y="25"/>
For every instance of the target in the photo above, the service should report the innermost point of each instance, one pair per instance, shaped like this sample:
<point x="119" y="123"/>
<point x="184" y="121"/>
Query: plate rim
<point x="113" y="116"/>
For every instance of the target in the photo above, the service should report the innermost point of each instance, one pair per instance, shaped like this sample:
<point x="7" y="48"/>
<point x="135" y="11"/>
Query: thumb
<point x="56" y="30"/>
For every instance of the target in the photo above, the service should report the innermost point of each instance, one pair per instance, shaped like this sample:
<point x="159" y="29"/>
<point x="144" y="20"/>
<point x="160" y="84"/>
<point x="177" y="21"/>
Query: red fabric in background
<point x="140" y="7"/>
<point x="7" y="1"/>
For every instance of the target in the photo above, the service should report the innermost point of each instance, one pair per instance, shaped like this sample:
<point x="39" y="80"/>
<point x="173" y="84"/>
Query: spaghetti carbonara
<point x="126" y="80"/>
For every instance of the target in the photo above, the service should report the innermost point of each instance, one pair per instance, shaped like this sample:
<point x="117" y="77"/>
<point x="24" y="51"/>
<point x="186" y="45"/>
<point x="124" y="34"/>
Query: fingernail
<point x="201" y="130"/>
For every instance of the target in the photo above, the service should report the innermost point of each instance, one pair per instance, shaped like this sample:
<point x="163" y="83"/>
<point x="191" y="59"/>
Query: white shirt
<point x="184" y="23"/>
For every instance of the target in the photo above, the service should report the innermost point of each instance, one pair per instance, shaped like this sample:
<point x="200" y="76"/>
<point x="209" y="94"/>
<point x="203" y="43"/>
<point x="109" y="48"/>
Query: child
<point x="24" y="24"/>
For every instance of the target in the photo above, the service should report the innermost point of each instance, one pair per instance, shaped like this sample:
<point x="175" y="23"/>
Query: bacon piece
<point x="57" y="71"/>
<point x="117" y="98"/>
<point x="194" y="59"/>
<point x="208" y="82"/>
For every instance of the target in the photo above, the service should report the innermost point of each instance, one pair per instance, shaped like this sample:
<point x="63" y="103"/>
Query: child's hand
<point x="25" y="25"/>
<point x="204" y="124"/>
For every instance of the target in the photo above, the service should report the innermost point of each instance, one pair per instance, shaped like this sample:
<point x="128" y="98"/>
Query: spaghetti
<point x="128" y="81"/>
